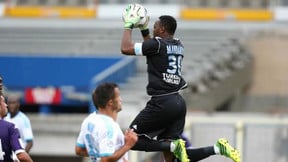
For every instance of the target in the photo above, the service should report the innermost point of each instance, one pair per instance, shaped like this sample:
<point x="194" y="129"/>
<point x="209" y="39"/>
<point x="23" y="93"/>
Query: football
<point x="137" y="10"/>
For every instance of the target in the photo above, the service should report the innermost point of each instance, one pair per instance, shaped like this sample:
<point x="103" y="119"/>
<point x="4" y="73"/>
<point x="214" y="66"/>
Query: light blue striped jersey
<point x="101" y="136"/>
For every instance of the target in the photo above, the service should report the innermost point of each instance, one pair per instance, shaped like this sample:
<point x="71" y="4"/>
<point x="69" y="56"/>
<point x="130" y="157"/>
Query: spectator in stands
<point x="21" y="121"/>
<point x="10" y="138"/>
<point x="163" y="117"/>
<point x="100" y="137"/>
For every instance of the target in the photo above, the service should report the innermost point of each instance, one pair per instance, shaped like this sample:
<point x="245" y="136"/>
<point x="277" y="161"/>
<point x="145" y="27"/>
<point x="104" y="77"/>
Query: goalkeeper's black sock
<point x="197" y="154"/>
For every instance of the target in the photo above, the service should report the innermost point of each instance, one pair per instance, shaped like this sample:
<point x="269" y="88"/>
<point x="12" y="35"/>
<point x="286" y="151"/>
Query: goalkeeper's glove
<point x="130" y="19"/>
<point x="145" y="25"/>
<point x="144" y="28"/>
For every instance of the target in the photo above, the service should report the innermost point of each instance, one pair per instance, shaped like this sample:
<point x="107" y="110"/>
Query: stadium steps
<point x="86" y="41"/>
<point x="61" y="130"/>
<point x="55" y="134"/>
<point x="101" y="41"/>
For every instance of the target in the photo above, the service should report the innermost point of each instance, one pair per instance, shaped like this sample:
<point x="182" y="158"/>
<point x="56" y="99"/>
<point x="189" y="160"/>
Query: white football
<point x="137" y="10"/>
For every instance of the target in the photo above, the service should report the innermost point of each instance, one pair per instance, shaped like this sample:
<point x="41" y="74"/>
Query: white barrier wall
<point x="115" y="11"/>
<point x="2" y="7"/>
<point x="281" y="14"/>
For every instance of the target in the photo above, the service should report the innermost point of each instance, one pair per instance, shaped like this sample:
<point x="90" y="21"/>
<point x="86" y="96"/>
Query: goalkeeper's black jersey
<point x="164" y="61"/>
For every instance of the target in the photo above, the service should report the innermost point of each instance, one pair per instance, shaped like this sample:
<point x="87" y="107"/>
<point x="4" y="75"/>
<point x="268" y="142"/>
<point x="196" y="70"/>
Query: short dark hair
<point x="169" y="23"/>
<point x="103" y="93"/>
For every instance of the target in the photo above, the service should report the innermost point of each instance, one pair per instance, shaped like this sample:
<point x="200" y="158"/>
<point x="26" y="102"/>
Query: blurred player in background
<point x="1" y="86"/>
<point x="21" y="121"/>
<point x="160" y="124"/>
<point x="100" y="137"/>
<point x="9" y="137"/>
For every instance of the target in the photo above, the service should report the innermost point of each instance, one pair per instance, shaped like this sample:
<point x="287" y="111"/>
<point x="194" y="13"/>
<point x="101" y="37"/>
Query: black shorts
<point x="163" y="117"/>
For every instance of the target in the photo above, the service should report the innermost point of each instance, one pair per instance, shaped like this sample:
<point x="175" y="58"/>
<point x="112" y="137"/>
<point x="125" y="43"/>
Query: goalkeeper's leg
<point x="197" y="154"/>
<point x="221" y="147"/>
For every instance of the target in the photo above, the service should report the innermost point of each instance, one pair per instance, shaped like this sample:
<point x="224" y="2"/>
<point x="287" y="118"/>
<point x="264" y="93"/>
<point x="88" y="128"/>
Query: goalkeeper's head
<point x="165" y="25"/>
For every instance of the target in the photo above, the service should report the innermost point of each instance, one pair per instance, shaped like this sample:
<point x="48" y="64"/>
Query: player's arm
<point x="127" y="46"/>
<point x="130" y="140"/>
<point x="81" y="151"/>
<point x="28" y="145"/>
<point x="116" y="155"/>
<point x="129" y="19"/>
<point x="24" y="157"/>
<point x="80" y="148"/>
<point x="28" y="134"/>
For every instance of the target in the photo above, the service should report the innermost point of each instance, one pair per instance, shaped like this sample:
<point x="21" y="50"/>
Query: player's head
<point x="3" y="107"/>
<point x="13" y="102"/>
<point x="165" y="24"/>
<point x="107" y="95"/>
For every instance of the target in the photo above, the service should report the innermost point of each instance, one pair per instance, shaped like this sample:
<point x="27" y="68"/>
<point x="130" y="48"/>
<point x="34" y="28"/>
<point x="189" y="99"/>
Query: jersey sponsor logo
<point x="171" y="78"/>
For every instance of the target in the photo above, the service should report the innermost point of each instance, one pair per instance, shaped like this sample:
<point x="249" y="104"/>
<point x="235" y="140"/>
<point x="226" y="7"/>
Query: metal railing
<point x="259" y="137"/>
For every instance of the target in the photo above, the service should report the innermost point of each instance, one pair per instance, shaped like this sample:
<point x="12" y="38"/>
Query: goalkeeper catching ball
<point x="160" y="124"/>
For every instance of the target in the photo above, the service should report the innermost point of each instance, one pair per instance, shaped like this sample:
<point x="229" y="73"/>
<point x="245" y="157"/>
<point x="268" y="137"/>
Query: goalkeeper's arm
<point x="127" y="45"/>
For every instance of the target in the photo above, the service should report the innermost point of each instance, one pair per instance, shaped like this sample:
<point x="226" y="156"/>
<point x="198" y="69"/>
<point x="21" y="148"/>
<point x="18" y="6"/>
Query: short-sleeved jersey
<point x="23" y="124"/>
<point x="101" y="136"/>
<point x="9" y="141"/>
<point x="164" y="61"/>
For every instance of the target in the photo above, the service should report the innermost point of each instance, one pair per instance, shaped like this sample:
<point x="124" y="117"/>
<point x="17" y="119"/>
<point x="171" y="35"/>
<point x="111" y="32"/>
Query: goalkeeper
<point x="160" y="124"/>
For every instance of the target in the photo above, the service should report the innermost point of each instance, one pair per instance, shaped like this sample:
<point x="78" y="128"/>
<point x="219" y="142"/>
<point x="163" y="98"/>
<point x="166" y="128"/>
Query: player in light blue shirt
<point x="101" y="137"/>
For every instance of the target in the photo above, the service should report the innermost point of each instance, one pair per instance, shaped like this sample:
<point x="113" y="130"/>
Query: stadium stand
<point x="213" y="60"/>
<point x="211" y="56"/>
<point x="217" y="67"/>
